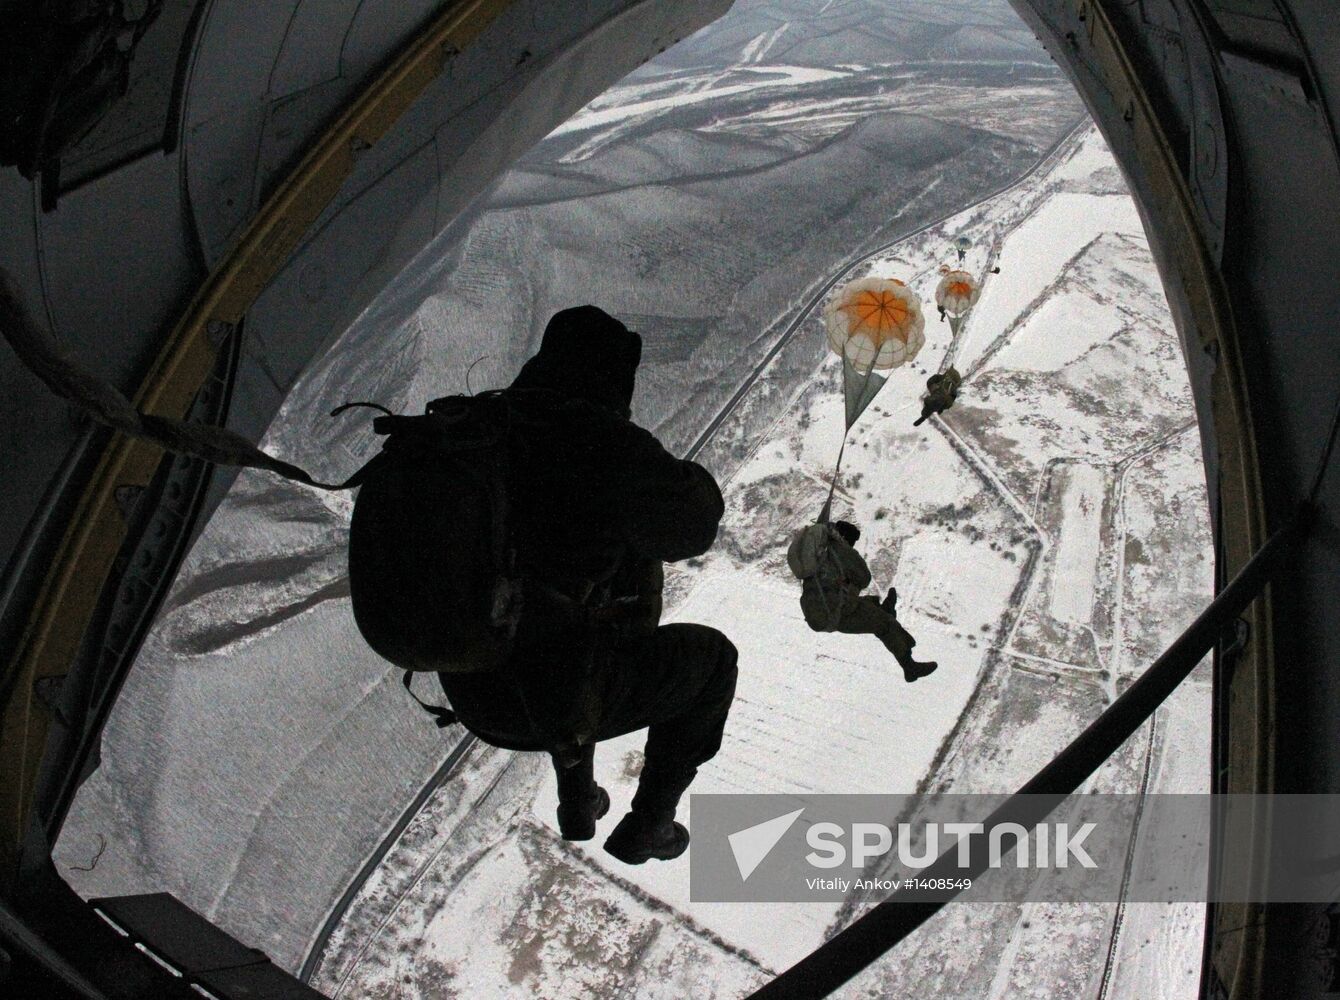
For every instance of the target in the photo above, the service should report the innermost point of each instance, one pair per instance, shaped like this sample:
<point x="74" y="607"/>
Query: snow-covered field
<point x="1047" y="538"/>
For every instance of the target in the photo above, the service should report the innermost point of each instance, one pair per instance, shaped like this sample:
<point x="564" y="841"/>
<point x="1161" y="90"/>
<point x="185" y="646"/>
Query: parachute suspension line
<point x="954" y="323"/>
<point x="825" y="514"/>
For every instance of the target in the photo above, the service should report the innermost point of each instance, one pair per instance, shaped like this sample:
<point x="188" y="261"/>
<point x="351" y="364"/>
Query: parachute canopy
<point x="957" y="292"/>
<point x="875" y="324"/>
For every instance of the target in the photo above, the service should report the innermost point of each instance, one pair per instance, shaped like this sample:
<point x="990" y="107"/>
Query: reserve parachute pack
<point x="432" y="568"/>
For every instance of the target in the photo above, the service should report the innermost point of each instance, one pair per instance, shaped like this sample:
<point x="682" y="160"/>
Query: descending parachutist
<point x="956" y="294"/>
<point x="832" y="575"/>
<point x="876" y="325"/>
<point x="941" y="391"/>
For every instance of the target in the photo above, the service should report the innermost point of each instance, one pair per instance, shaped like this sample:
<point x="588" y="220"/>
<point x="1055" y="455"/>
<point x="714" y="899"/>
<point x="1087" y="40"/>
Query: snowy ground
<point x="1018" y="567"/>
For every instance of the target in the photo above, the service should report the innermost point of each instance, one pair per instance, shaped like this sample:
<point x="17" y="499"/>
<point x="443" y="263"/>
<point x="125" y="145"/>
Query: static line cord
<point x="67" y="377"/>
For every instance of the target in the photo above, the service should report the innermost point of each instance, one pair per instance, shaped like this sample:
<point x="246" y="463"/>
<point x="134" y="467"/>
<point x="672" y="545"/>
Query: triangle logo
<point x="752" y="844"/>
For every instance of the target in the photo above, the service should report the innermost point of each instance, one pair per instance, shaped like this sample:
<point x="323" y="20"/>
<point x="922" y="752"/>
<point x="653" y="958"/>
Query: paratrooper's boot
<point x="580" y="800"/>
<point x="649" y="831"/>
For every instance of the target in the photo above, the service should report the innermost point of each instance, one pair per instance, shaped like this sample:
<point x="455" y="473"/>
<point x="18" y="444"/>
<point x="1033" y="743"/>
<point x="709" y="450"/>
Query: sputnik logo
<point x="752" y="844"/>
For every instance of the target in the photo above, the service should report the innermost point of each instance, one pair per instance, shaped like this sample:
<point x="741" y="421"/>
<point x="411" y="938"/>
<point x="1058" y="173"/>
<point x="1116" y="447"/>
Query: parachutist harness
<point x="826" y="552"/>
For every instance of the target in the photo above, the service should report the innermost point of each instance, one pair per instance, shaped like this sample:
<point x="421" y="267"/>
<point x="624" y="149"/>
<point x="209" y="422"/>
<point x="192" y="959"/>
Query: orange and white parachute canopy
<point x="875" y="323"/>
<point x="957" y="292"/>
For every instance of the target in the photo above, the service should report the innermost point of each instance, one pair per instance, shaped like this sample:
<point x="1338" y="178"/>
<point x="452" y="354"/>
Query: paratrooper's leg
<point x="870" y="616"/>
<point x="580" y="800"/>
<point x="678" y="684"/>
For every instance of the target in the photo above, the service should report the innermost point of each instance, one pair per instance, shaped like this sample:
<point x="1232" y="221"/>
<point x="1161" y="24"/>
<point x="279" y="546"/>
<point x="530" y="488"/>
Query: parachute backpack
<point x="432" y="570"/>
<point x="808" y="550"/>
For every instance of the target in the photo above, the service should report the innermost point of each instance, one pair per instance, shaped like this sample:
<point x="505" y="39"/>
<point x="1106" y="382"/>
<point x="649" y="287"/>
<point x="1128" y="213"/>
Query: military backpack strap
<point x="442" y="715"/>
